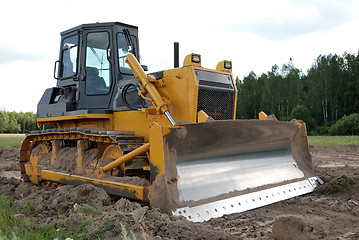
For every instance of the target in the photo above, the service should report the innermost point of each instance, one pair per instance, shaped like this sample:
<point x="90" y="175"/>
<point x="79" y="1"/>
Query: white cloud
<point x="9" y="55"/>
<point x="297" y="18"/>
<point x="254" y="35"/>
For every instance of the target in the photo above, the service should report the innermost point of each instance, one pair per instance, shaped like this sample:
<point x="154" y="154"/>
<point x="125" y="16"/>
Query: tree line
<point x="14" y="122"/>
<point x="329" y="91"/>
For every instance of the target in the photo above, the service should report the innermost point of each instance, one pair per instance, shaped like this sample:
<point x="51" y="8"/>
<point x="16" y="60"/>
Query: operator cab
<point x="91" y="61"/>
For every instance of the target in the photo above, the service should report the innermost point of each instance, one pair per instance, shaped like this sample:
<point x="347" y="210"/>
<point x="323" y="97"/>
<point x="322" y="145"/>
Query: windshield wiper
<point x="129" y="41"/>
<point x="100" y="60"/>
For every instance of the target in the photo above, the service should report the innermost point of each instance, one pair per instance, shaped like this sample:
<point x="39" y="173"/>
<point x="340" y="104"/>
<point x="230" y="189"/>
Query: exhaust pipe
<point x="176" y="54"/>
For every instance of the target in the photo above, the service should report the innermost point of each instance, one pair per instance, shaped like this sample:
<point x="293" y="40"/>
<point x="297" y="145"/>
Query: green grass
<point x="11" y="140"/>
<point x="333" y="140"/>
<point x="338" y="184"/>
<point x="15" y="224"/>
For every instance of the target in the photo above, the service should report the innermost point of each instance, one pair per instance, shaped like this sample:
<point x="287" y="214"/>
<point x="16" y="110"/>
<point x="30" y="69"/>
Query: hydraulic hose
<point x="124" y="99"/>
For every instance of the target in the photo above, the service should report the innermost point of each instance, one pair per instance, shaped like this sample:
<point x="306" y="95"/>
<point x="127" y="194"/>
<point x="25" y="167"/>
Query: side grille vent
<point x="216" y="103"/>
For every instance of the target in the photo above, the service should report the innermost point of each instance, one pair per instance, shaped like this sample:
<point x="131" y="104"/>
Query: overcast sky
<point x="254" y="35"/>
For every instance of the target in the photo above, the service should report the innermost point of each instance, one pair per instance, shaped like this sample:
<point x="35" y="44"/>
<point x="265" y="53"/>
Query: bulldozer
<point x="168" y="138"/>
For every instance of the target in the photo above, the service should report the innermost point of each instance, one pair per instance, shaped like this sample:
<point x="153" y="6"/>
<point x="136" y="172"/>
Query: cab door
<point x="96" y="77"/>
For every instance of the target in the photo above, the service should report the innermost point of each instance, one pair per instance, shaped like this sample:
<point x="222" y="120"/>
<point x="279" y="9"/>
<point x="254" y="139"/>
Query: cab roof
<point x="97" y="25"/>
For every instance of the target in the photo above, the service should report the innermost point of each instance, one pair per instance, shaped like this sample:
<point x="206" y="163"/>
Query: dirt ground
<point x="331" y="212"/>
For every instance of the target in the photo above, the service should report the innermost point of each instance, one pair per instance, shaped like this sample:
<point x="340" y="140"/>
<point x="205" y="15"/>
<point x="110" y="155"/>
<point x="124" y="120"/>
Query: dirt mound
<point x="146" y="223"/>
<point x="9" y="153"/>
<point x="290" y="228"/>
<point x="61" y="200"/>
<point x="66" y="159"/>
<point x="73" y="206"/>
<point x="340" y="184"/>
<point x="331" y="161"/>
<point x="9" y="185"/>
<point x="9" y="158"/>
<point x="319" y="215"/>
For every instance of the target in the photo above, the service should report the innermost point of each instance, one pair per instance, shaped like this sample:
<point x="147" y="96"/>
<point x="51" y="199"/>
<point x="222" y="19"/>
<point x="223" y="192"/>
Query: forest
<point x="14" y="122"/>
<point x="326" y="98"/>
<point x="328" y="92"/>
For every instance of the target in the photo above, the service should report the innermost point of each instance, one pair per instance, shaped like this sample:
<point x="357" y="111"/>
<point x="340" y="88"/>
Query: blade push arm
<point x="147" y="82"/>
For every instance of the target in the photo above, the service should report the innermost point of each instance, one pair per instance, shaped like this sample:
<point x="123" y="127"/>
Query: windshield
<point x="69" y="57"/>
<point x="98" y="72"/>
<point x="126" y="43"/>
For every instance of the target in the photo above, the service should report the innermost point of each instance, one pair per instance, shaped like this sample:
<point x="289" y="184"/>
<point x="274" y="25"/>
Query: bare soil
<point x="331" y="212"/>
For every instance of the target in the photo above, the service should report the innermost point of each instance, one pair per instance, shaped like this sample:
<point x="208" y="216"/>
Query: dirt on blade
<point x="331" y="212"/>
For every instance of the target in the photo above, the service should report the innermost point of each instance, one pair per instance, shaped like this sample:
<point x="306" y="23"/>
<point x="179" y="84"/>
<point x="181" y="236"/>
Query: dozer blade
<point x="215" y="168"/>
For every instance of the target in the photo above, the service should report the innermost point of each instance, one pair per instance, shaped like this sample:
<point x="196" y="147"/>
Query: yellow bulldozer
<point x="168" y="138"/>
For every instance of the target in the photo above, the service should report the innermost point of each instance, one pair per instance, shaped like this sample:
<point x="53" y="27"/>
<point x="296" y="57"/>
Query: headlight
<point x="224" y="66"/>
<point x="192" y="60"/>
<point x="196" y="58"/>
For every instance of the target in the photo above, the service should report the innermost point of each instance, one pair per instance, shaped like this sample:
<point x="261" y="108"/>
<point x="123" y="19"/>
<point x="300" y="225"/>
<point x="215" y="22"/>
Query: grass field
<point x="15" y="224"/>
<point x="333" y="140"/>
<point x="10" y="140"/>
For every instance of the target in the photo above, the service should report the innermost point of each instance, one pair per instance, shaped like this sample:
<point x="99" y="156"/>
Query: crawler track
<point x="41" y="151"/>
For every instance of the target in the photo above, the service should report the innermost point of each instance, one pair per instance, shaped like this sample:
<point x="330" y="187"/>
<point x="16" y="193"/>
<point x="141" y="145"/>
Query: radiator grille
<point x="219" y="104"/>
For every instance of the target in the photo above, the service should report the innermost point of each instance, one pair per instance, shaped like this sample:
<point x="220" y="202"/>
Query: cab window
<point x="98" y="74"/>
<point x="69" y="57"/>
<point x="126" y="44"/>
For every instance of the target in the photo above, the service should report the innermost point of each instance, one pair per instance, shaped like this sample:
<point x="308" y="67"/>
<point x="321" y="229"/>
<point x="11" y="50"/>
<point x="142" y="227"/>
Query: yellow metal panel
<point x="182" y="90"/>
<point x="56" y="145"/>
<point x="33" y="173"/>
<point x="159" y="165"/>
<point x="137" y="121"/>
<point x="156" y="149"/>
<point x="235" y="98"/>
<point x="132" y="191"/>
<point x="79" y="120"/>
<point x="81" y="147"/>
<point x="157" y="161"/>
<point x="262" y="116"/>
<point x="73" y="117"/>
<point x="202" y="116"/>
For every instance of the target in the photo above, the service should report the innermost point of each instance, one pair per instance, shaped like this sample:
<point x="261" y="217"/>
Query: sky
<point x="254" y="35"/>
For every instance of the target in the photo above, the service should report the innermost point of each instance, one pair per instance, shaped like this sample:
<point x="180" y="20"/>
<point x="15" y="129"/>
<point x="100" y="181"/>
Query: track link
<point x="95" y="138"/>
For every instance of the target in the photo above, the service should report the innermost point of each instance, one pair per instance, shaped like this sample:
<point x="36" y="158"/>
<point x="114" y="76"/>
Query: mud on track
<point x="319" y="215"/>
